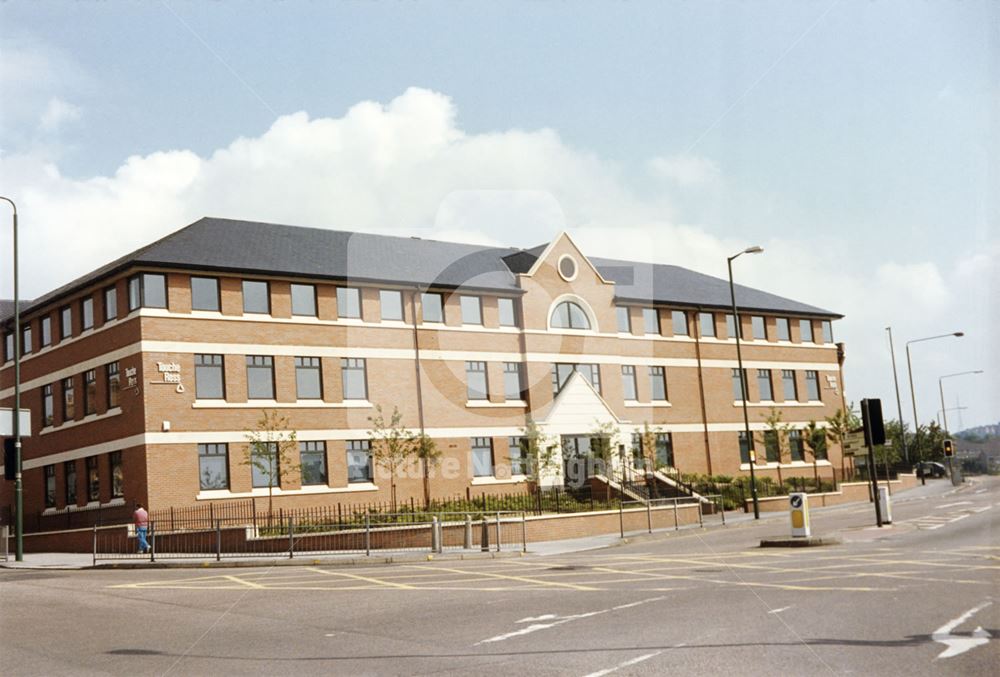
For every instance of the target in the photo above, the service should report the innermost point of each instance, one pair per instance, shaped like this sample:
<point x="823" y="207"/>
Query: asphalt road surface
<point x="921" y="597"/>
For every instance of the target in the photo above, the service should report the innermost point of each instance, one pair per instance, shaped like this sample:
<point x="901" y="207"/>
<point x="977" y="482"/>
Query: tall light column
<point x="913" y="393"/>
<point x="899" y="402"/>
<point x="18" y="497"/>
<point x="743" y="382"/>
<point x="944" y="410"/>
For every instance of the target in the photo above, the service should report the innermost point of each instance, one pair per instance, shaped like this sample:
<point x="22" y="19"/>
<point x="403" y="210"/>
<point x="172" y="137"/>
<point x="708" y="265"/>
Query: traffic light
<point x="949" y="448"/>
<point x="871" y="417"/>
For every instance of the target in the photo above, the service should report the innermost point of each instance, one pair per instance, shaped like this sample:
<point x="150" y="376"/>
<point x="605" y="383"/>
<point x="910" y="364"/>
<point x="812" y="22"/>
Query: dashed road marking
<point x="632" y="661"/>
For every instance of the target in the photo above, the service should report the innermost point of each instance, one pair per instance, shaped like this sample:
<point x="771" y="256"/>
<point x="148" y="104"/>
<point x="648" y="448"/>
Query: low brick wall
<point x="850" y="492"/>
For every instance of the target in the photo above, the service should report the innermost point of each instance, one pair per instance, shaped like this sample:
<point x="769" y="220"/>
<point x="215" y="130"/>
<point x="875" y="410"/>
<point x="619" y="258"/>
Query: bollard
<point x="467" y="543"/>
<point x="484" y="538"/>
<point x="498" y="532"/>
<point x="218" y="540"/>
<point x="368" y="534"/>
<point x="621" y="518"/>
<point x="152" y="541"/>
<point x="722" y="508"/>
<point x="95" y="544"/>
<point x="435" y="534"/>
<point x="676" y="523"/>
<point x="524" y="533"/>
<point x="701" y="516"/>
<point x="649" y="517"/>
<point x="291" y="537"/>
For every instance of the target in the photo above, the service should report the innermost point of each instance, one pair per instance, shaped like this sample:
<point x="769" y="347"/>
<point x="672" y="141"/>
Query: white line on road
<point x="632" y="661"/>
<point x="558" y="620"/>
<point x="778" y="611"/>
<point x="959" y="645"/>
<point x="951" y="505"/>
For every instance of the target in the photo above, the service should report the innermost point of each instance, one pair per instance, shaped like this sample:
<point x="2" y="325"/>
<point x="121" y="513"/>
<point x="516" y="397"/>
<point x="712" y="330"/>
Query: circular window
<point x="567" y="267"/>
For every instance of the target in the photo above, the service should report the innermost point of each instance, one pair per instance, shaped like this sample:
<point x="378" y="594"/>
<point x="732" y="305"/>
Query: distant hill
<point x="982" y="432"/>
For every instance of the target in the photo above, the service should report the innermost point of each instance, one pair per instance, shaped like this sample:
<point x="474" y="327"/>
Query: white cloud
<point x="407" y="167"/>
<point x="57" y="113"/>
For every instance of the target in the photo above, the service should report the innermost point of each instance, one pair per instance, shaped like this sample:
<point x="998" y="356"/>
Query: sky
<point x="857" y="142"/>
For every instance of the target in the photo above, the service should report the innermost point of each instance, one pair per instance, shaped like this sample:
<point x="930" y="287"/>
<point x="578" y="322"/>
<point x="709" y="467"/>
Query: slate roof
<point x="248" y="247"/>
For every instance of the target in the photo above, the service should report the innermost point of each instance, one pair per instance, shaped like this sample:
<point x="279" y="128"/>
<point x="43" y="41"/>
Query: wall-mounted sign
<point x="171" y="372"/>
<point x="132" y="381"/>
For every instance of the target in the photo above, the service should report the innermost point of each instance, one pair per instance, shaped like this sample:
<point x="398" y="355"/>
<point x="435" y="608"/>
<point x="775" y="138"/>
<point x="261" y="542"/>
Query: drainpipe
<point x="701" y="391"/>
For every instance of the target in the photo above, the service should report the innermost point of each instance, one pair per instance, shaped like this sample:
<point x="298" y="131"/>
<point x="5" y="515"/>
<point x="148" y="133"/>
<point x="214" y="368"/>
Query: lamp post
<point x="913" y="393"/>
<point x="899" y="402"/>
<point x="944" y="411"/>
<point x="18" y="499"/>
<point x="743" y="381"/>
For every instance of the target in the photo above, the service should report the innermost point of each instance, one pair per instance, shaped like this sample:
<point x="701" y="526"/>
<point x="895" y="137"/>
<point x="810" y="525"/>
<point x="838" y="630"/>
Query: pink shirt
<point x="141" y="517"/>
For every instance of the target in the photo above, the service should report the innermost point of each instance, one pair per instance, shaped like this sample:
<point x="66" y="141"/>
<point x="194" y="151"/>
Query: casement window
<point x="638" y="458"/>
<point x="506" y="312"/>
<point x="771" y="447"/>
<point x="147" y="290"/>
<point x="476" y="381"/>
<point x="664" y="450"/>
<point x="482" y="457"/>
<point x="759" y="327"/>
<point x="680" y="322"/>
<point x="48" y="406"/>
<point x="87" y="313"/>
<point x="348" y="302"/>
<point x="114" y="383"/>
<point x="304" y="300"/>
<point x="256" y="297"/>
<point x="46" y="325"/>
<point x="65" y="322"/>
<point x="205" y="294"/>
<point x="93" y="480"/>
<point x="628" y="383"/>
<point x="784" y="329"/>
<point x="69" y="401"/>
<point x="791" y="392"/>
<point x="624" y="319"/>
<point x="431" y="307"/>
<point x="354" y="378"/>
<point x="117" y="474"/>
<point x="651" y="321"/>
<point x="69" y="470"/>
<point x="391" y="304"/>
<point x="562" y="372"/>
<point x="89" y="392"/>
<point x="827" y="327"/>
<point x="26" y="344"/>
<point x="110" y="303"/>
<point x="706" y="324"/>
<point x="209" y="377"/>
<point x="8" y="347"/>
<point x="266" y="467"/>
<point x="472" y="311"/>
<point x="50" y="486"/>
<point x="569" y="315"/>
<point x="795" y="445"/>
<point x="812" y="386"/>
<point x="738" y="385"/>
<point x="213" y="466"/>
<point x="658" y="384"/>
<point x="518" y="455"/>
<point x="764" y="385"/>
<point x="359" y="461"/>
<point x="308" y="378"/>
<point x="744" y="447"/>
<point x="312" y="457"/>
<point x="806" y="331"/>
<point x="731" y="327"/>
<point x="260" y="377"/>
<point x="513" y="381"/>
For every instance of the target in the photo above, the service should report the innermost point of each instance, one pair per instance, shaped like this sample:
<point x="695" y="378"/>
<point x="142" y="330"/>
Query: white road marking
<point x="959" y="645"/>
<point x="558" y="620"/>
<point x="778" y="611"/>
<point x="632" y="661"/>
<point x="951" y="505"/>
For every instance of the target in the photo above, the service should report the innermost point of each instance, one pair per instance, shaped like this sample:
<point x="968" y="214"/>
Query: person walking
<point x="141" y="519"/>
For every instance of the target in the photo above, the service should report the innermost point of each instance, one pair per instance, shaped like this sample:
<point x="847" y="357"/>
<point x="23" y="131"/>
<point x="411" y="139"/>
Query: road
<point x="920" y="597"/>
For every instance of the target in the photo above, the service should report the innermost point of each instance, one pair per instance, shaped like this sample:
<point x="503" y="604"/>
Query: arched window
<point x="569" y="315"/>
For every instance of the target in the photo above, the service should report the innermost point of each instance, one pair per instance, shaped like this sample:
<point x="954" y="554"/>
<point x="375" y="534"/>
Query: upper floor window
<point x="87" y="313"/>
<point x="431" y="307"/>
<point x="764" y="385"/>
<point x="147" y="290"/>
<point x="89" y="392"/>
<point x="46" y="325"/>
<point x="472" y="312"/>
<point x="812" y="386"/>
<point x="209" y="377"/>
<point x="65" y="322"/>
<point x="354" y="378"/>
<point x="260" y="377"/>
<point x="114" y="384"/>
<point x="628" y="383"/>
<point x="569" y="315"/>
<point x="308" y="378"/>
<point x="680" y="322"/>
<point x="477" y="386"/>
<point x="304" y="300"/>
<point x="256" y="297"/>
<point x="513" y="385"/>
<point x="312" y="460"/>
<point x="562" y="372"/>
<point x="391" y="303"/>
<point x="784" y="332"/>
<point x="348" y="302"/>
<point x="658" y="384"/>
<point x="731" y="327"/>
<point x="8" y="346"/>
<point x="213" y="466"/>
<point x="47" y="405"/>
<point x="26" y="343"/>
<point x="706" y="324"/>
<point x="651" y="321"/>
<point x="806" y="331"/>
<point x="738" y="384"/>
<point x="827" y="331"/>
<point x="624" y="320"/>
<point x="205" y="293"/>
<point x="505" y="311"/>
<point x="69" y="401"/>
<point x="788" y="385"/>
<point x="110" y="303"/>
<point x="759" y="327"/>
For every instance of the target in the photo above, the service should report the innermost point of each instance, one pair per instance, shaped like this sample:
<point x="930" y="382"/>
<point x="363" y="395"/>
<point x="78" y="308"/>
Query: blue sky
<point x="856" y="140"/>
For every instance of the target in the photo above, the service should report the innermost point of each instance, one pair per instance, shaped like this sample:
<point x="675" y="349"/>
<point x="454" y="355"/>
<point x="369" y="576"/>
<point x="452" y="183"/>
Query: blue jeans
<point x="141" y="533"/>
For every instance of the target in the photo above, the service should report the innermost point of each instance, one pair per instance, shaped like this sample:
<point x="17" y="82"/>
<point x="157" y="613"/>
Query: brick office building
<point x="144" y="375"/>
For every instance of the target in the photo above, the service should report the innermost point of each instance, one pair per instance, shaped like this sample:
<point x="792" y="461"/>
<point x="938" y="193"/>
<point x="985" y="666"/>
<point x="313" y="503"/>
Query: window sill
<point x="486" y="404"/>
<point x="86" y="419"/>
<point x="216" y="494"/>
<point x="273" y="404"/>
<point x="483" y="481"/>
<point x="769" y="403"/>
<point x="654" y="403"/>
<point x="794" y="465"/>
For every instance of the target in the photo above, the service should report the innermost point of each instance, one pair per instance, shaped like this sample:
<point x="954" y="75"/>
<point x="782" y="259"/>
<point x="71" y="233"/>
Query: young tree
<point x="271" y="450"/>
<point x="839" y="426"/>
<point x="602" y="448"/>
<point x="539" y="455"/>
<point x="814" y="439"/>
<point x="428" y="455"/>
<point x="392" y="445"/>
<point x="647" y="439"/>
<point x="775" y="437"/>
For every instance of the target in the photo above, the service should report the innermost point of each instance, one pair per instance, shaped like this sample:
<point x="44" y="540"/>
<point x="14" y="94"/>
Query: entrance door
<point x="576" y="459"/>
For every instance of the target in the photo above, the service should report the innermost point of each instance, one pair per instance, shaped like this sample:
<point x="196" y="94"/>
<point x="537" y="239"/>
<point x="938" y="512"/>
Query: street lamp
<point x="743" y="383"/>
<point x="18" y="500"/>
<point x="899" y="403"/>
<point x="913" y="393"/>
<point x="944" y="411"/>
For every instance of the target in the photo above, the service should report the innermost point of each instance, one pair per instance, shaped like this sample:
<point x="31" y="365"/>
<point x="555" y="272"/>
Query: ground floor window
<point x="117" y="477"/>
<point x="50" y="486"/>
<point x="359" y="461"/>
<point x="69" y="468"/>
<point x="795" y="446"/>
<point x="482" y="457"/>
<point x="744" y="448"/>
<point x="517" y="448"/>
<point x="264" y="466"/>
<point x="771" y="446"/>
<point x="93" y="480"/>
<point x="213" y="466"/>
<point x="664" y="450"/>
<point x="313" y="459"/>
